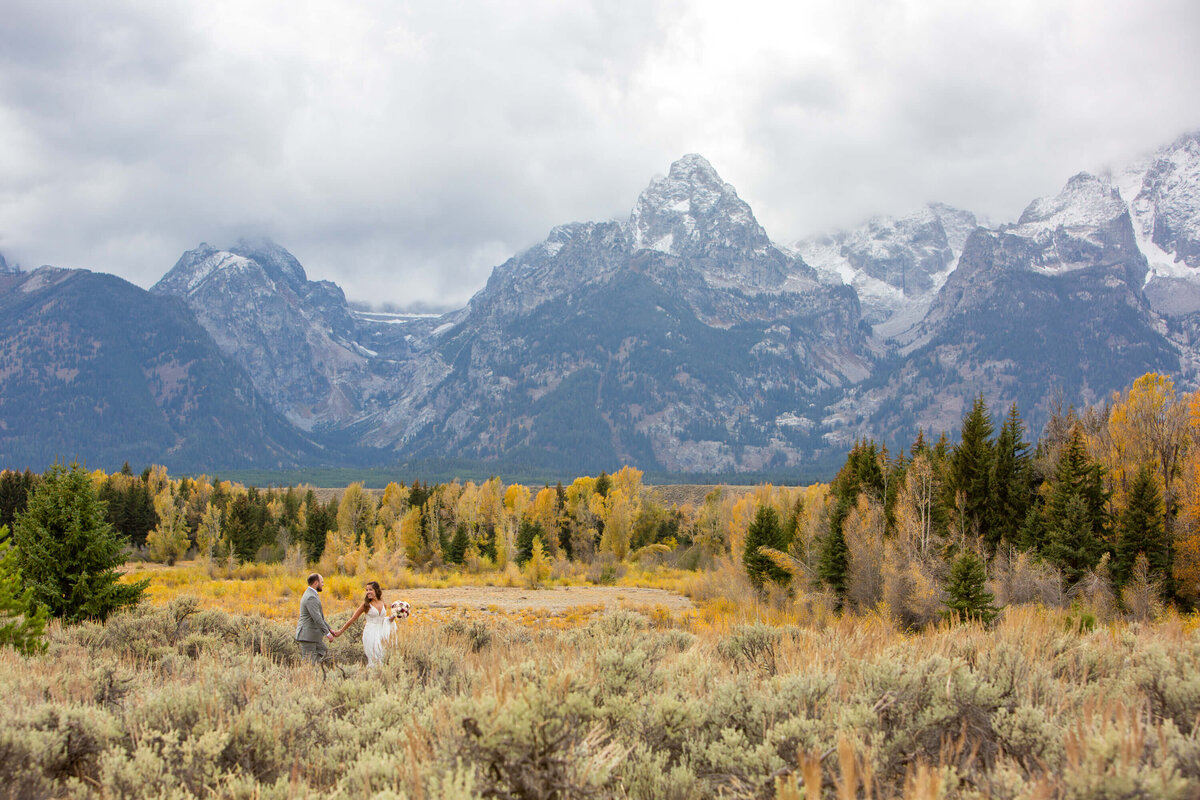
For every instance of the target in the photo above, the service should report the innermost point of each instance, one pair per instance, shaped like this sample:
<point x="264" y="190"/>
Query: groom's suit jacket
<point x="312" y="626"/>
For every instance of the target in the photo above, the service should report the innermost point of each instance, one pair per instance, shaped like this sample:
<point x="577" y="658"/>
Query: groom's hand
<point x="330" y="636"/>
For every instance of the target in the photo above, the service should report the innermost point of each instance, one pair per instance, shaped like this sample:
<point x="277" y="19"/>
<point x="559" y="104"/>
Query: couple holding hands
<point x="313" y="631"/>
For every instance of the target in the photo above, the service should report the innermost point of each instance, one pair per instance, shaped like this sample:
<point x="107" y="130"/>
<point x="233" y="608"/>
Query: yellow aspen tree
<point x="712" y="522"/>
<point x="544" y="511"/>
<point x="1147" y="425"/>
<point x="169" y="539"/>
<point x="391" y="507"/>
<point x="209" y="532"/>
<point x="410" y="533"/>
<point x="466" y="509"/>
<point x="302" y="516"/>
<point x="98" y="478"/>
<point x="579" y="494"/>
<point x="355" y="516"/>
<point x="491" y="502"/>
<point x="915" y="504"/>
<point x="619" y="513"/>
<point x="506" y="540"/>
<point x="741" y="514"/>
<point x="629" y="480"/>
<point x="158" y="479"/>
<point x="516" y="500"/>
<point x="863" y="529"/>
<point x="537" y="569"/>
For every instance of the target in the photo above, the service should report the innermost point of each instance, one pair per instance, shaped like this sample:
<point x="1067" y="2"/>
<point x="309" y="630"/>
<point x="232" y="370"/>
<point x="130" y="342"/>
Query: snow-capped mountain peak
<point x="692" y="209"/>
<point x="1087" y="201"/>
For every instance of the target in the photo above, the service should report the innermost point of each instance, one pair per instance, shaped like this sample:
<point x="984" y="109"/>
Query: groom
<point x="313" y="631"/>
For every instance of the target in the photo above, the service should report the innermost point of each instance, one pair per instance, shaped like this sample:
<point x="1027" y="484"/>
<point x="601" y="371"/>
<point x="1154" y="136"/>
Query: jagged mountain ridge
<point x="682" y="338"/>
<point x="667" y="339"/>
<point x="1052" y="305"/>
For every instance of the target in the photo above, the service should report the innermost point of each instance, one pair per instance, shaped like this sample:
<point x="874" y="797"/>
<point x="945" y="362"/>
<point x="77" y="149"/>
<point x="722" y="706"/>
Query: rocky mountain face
<point x="6" y="268"/>
<point x="1049" y="306"/>
<point x="297" y="338"/>
<point x="97" y="369"/>
<point x="683" y="339"/>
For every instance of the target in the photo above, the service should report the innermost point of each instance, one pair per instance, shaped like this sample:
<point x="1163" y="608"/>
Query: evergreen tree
<point x="526" y="533"/>
<point x="68" y="554"/>
<point x="968" y="596"/>
<point x="833" y="565"/>
<point x="1012" y="482"/>
<point x="1140" y="530"/>
<point x="14" y="494"/>
<point x="764" y="531"/>
<point x="1032" y="535"/>
<point x="21" y="619"/>
<point x="971" y="472"/>
<point x="564" y="520"/>
<point x="862" y="472"/>
<point x="320" y="518"/>
<point x="1076" y="515"/>
<point x="456" y="550"/>
<point x="242" y="528"/>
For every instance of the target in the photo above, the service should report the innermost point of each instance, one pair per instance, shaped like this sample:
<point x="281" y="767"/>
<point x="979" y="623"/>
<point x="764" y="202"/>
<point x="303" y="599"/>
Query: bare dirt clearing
<point x="560" y="598"/>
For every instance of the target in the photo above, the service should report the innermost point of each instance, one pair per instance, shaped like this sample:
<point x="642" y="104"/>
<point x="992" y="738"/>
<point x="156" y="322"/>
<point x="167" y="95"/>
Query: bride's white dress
<point x="376" y="633"/>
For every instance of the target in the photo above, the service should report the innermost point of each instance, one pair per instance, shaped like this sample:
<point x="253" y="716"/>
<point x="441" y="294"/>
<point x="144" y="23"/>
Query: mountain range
<point x="679" y="339"/>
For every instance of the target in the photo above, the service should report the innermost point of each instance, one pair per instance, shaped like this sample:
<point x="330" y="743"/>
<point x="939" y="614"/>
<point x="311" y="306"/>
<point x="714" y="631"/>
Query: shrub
<point x="753" y="646"/>
<point x="966" y="595"/>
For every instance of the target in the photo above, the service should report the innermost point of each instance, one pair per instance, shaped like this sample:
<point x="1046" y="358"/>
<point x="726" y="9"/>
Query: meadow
<point x="198" y="692"/>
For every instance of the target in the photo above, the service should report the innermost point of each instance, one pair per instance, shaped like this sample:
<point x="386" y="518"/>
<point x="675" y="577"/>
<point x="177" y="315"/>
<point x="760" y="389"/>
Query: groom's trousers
<point x="315" y="652"/>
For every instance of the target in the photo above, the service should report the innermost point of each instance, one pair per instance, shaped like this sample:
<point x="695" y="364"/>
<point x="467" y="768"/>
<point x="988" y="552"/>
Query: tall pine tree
<point x="1012" y="482"/>
<point x="971" y="473"/>
<point x="764" y="531"/>
<point x="967" y="595"/>
<point x="1140" y="530"/>
<point x="1076" y="514"/>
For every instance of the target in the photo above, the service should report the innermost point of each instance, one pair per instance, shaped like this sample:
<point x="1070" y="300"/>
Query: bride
<point x="378" y="627"/>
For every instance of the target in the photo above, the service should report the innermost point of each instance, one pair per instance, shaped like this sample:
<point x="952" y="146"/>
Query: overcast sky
<point x="404" y="149"/>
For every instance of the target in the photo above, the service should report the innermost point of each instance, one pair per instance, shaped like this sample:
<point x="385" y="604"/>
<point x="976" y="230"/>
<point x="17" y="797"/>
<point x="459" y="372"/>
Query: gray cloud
<point x="404" y="150"/>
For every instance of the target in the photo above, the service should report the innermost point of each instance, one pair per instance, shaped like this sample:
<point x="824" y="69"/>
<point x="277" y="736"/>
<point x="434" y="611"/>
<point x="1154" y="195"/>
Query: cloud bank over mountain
<point x="404" y="151"/>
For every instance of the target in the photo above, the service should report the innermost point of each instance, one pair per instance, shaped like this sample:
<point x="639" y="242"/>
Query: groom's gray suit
<point x="312" y="629"/>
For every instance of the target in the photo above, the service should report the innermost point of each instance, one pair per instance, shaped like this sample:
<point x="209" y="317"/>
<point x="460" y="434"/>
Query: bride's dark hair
<point x="378" y="593"/>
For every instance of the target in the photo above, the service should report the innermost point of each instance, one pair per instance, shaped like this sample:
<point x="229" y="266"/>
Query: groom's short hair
<point x="313" y="578"/>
